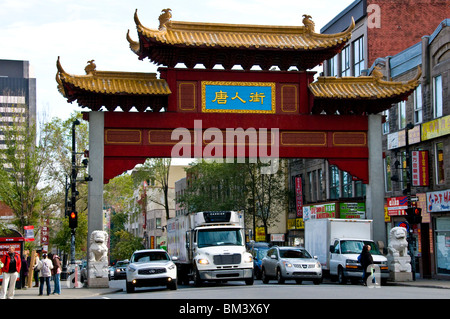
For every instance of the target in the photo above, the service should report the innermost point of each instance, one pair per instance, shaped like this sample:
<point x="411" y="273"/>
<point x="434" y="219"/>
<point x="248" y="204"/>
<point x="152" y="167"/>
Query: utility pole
<point x="73" y="212"/>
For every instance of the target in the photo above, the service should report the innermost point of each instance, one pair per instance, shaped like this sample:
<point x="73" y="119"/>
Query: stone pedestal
<point x="98" y="274"/>
<point x="399" y="268"/>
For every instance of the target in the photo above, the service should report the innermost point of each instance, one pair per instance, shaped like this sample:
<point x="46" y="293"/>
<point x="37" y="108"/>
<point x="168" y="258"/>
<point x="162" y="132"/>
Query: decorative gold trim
<point x="179" y="96"/>
<point x="350" y="144"/>
<point x="303" y="144"/>
<point x="120" y="130"/>
<point x="232" y="83"/>
<point x="296" y="98"/>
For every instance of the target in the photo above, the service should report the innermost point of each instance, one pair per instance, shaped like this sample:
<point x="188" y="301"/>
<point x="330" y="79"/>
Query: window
<point x="360" y="189"/>
<point x="334" y="182"/>
<point x="442" y="231"/>
<point x="418" y="105"/>
<point x="320" y="195"/>
<point x="333" y="66"/>
<point x="437" y="96"/>
<point x="386" y="123"/>
<point x="358" y="53"/>
<point x="345" y="61"/>
<point x="158" y="223"/>
<point x="347" y="181"/>
<point x="401" y="115"/>
<point x="440" y="178"/>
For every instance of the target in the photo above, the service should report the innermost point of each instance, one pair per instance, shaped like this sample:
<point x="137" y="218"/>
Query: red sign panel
<point x="396" y="205"/>
<point x="299" y="196"/>
<point x="419" y="163"/>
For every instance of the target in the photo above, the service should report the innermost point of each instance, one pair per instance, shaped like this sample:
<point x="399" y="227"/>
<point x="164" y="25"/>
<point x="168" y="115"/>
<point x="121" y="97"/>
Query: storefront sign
<point x="299" y="196"/>
<point x="295" y="223"/>
<point x="29" y="233"/>
<point x="260" y="234"/>
<point x="436" y="128"/>
<point x="438" y="201"/>
<point x="398" y="139"/>
<point x="277" y="237"/>
<point x="396" y="205"/>
<point x="419" y="163"/>
<point x="352" y="210"/>
<point x="238" y="97"/>
<point x="319" y="211"/>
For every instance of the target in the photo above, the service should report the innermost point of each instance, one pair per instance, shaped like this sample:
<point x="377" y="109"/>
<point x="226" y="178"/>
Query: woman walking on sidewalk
<point x="56" y="273"/>
<point x="45" y="266"/>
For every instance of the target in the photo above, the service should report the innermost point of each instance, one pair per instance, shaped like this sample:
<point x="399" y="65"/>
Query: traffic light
<point x="414" y="215"/>
<point x="73" y="220"/>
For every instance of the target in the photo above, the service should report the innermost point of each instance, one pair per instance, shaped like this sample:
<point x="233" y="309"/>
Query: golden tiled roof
<point x="107" y="82"/>
<point x="362" y="87"/>
<point x="194" y="34"/>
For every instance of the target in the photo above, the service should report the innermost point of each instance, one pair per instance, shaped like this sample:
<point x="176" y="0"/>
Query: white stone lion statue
<point x="398" y="246"/>
<point x="98" y="250"/>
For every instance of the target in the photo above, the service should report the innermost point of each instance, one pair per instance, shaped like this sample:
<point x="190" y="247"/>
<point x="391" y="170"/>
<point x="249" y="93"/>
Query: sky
<point x="39" y="31"/>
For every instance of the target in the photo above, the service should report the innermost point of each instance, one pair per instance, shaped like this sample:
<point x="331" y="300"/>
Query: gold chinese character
<point x="238" y="97"/>
<point x="221" y="97"/>
<point x="257" y="97"/>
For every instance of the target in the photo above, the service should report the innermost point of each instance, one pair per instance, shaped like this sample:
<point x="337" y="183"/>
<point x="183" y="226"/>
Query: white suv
<point x="151" y="267"/>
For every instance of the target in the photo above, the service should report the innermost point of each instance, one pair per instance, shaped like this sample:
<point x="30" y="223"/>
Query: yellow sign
<point x="436" y="128"/>
<point x="260" y="234"/>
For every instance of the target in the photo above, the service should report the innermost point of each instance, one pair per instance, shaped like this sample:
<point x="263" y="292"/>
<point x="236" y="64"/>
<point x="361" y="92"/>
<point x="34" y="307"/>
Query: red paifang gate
<point x="192" y="110"/>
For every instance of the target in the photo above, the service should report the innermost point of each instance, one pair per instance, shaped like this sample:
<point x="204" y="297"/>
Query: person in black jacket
<point x="366" y="260"/>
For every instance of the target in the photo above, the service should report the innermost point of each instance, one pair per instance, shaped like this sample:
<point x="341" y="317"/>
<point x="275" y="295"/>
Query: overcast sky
<point x="78" y="31"/>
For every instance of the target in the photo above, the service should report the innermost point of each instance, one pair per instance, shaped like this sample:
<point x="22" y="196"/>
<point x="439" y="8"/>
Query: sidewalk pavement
<point x="82" y="293"/>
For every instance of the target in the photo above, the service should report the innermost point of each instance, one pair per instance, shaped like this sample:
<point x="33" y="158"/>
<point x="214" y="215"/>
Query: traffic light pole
<point x="411" y="240"/>
<point x="73" y="192"/>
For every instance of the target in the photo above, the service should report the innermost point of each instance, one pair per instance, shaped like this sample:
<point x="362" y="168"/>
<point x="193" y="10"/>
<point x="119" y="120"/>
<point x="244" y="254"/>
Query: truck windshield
<point x="355" y="247"/>
<point x="219" y="237"/>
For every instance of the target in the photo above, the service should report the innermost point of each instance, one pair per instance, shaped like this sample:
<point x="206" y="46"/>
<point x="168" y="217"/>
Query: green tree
<point x="126" y="245"/>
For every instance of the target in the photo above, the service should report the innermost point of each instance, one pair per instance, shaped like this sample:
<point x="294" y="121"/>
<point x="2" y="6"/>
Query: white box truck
<point x="337" y="244"/>
<point x="210" y="246"/>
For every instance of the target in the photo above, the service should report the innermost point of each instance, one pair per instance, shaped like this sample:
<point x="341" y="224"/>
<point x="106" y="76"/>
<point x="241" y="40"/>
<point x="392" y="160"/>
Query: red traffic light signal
<point x="73" y="220"/>
<point x="414" y="215"/>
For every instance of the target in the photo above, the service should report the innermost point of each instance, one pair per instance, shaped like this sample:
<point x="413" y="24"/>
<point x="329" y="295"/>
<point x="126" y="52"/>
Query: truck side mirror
<point x="331" y="249"/>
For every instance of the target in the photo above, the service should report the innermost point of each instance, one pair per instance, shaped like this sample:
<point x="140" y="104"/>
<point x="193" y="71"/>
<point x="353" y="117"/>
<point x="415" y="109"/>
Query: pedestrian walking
<point x="24" y="271"/>
<point x="366" y="260"/>
<point x="45" y="267"/>
<point x="56" y="273"/>
<point x="11" y="268"/>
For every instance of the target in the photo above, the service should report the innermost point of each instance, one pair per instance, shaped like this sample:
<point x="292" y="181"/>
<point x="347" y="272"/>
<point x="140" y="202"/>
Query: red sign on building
<point x="419" y="163"/>
<point x="299" y="196"/>
<point x="396" y="205"/>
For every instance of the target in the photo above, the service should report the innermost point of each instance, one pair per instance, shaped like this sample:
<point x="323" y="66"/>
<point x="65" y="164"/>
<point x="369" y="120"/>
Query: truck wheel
<point x="249" y="281"/>
<point x="197" y="279"/>
<point x="280" y="278"/>
<point x="264" y="277"/>
<point x="341" y="277"/>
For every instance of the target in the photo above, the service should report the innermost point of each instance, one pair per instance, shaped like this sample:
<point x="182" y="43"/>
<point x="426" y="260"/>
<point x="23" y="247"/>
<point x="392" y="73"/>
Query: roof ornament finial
<point x="308" y="22"/>
<point x="90" y="68"/>
<point x="164" y="18"/>
<point x="376" y="73"/>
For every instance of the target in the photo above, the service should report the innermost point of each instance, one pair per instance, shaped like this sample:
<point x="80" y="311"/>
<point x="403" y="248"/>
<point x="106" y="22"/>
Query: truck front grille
<point x="227" y="259"/>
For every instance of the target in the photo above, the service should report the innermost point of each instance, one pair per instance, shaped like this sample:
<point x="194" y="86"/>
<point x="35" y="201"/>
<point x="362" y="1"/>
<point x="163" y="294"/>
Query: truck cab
<point x="344" y="262"/>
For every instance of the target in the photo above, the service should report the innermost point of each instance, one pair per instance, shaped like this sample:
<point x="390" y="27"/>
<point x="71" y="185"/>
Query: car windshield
<point x="122" y="263"/>
<point x="356" y="246"/>
<point x="294" y="253"/>
<point x="148" y="256"/>
<point x="261" y="253"/>
<point x="219" y="237"/>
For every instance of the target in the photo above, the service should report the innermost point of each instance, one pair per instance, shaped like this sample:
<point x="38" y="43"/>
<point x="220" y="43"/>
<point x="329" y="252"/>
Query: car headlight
<point x="352" y="261"/>
<point x="203" y="261"/>
<point x="131" y="269"/>
<point x="248" y="259"/>
<point x="287" y="264"/>
<point x="172" y="266"/>
<point x="318" y="265"/>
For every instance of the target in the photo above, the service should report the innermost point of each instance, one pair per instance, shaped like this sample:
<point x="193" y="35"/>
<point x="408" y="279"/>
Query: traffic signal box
<point x="73" y="220"/>
<point x="414" y="215"/>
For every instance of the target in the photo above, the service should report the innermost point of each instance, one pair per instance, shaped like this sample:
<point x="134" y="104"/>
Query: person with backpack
<point x="45" y="267"/>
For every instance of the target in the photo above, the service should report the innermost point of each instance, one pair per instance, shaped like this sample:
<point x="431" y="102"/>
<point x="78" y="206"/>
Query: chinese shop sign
<point x="419" y="161"/>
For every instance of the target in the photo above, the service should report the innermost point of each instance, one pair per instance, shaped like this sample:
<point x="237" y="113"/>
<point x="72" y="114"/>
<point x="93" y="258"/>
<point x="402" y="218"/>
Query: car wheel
<point x="280" y="278"/>
<point x="130" y="288"/>
<point x="298" y="281"/>
<point x="264" y="277"/>
<point x="172" y="285"/>
<point x="317" y="281"/>
<point x="341" y="277"/>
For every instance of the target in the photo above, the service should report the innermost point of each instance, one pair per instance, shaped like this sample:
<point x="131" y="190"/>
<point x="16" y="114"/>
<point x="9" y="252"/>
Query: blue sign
<point x="238" y="97"/>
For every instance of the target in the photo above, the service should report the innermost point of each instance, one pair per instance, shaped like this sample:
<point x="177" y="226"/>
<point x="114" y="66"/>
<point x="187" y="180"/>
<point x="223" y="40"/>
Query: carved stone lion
<point x="98" y="250"/>
<point x="398" y="246"/>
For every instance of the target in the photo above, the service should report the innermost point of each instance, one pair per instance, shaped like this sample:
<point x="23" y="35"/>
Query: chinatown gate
<point x="272" y="112"/>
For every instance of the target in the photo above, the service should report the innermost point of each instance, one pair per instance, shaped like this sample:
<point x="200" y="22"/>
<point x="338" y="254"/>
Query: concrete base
<point x="98" y="283"/>
<point x="400" y="276"/>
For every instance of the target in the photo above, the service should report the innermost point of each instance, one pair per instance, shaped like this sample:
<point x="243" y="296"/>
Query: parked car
<point x="151" y="267"/>
<point x="258" y="254"/>
<point x="296" y="263"/>
<point x="120" y="269"/>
